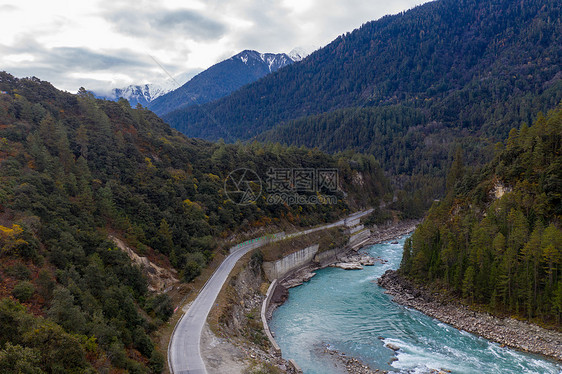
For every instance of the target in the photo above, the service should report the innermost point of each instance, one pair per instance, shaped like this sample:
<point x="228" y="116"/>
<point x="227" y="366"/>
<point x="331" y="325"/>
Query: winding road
<point x="184" y="350"/>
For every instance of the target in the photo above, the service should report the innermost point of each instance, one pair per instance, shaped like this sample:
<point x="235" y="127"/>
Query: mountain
<point x="77" y="172"/>
<point x="144" y="94"/>
<point x="406" y="85"/>
<point x="135" y="94"/>
<point x="223" y="78"/>
<point x="300" y="53"/>
<point x="495" y="240"/>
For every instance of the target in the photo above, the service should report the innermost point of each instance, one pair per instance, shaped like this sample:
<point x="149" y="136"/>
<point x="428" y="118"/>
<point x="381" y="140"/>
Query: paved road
<point x="184" y="350"/>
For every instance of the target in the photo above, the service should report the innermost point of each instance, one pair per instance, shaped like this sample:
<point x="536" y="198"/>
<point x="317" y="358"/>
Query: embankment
<point x="238" y="327"/>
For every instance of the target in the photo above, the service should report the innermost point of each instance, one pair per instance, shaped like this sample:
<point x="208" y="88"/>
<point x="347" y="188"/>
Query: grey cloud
<point x="75" y="58"/>
<point x="8" y="8"/>
<point x="57" y="64"/>
<point x="273" y="30"/>
<point x="86" y="60"/>
<point x="191" y="23"/>
<point x="160" y="23"/>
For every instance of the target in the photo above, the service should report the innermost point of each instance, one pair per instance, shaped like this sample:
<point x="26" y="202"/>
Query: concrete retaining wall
<point x="354" y="229"/>
<point x="278" y="269"/>
<point x="275" y="270"/>
<point x="352" y="222"/>
<point x="359" y="236"/>
<point x="264" y="308"/>
<point x="330" y="256"/>
<point x="296" y="367"/>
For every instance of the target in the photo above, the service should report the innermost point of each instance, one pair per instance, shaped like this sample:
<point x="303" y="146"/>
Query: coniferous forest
<point x="477" y="65"/>
<point x="75" y="170"/>
<point x="495" y="239"/>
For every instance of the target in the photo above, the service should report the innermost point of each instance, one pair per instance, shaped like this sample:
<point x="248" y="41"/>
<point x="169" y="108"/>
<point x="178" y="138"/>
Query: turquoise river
<point x="347" y="311"/>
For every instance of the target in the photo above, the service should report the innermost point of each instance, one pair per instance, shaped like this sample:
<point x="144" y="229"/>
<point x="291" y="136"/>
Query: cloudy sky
<point x="102" y="44"/>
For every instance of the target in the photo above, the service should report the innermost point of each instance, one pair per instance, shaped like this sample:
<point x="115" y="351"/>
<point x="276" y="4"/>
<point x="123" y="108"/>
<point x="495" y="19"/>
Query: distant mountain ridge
<point x="223" y="78"/>
<point x="480" y="66"/>
<point x="218" y="81"/>
<point x="145" y="93"/>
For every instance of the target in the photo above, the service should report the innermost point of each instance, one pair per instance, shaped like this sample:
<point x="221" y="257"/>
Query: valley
<point x="242" y="214"/>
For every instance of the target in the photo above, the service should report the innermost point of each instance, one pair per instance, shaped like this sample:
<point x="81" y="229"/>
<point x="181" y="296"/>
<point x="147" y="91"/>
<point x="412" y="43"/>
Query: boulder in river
<point x="392" y="346"/>
<point x="348" y="265"/>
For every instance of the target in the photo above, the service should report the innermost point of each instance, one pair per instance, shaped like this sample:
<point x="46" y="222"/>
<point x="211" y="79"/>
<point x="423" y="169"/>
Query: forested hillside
<point x="74" y="170"/>
<point x="406" y="87"/>
<point x="496" y="239"/>
<point x="469" y="63"/>
<point x="405" y="140"/>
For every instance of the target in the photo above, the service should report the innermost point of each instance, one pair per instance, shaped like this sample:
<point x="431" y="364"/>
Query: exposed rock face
<point x="499" y="190"/>
<point x="245" y="300"/>
<point x="510" y="332"/>
<point x="159" y="278"/>
<point x="355" y="261"/>
<point x="301" y="276"/>
<point x="280" y="295"/>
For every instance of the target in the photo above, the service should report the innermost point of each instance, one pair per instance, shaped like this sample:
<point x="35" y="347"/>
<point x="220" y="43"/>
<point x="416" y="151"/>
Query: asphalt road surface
<point x="184" y="350"/>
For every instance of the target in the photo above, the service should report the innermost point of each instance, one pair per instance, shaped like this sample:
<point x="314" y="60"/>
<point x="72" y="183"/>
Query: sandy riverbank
<point x="507" y="331"/>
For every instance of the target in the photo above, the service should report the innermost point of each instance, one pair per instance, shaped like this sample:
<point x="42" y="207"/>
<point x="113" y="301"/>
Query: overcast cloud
<point x="103" y="44"/>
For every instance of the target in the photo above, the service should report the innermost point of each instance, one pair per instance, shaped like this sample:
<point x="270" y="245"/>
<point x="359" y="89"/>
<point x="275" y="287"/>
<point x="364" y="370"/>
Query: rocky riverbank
<point x="390" y="231"/>
<point x="347" y="363"/>
<point x="506" y="331"/>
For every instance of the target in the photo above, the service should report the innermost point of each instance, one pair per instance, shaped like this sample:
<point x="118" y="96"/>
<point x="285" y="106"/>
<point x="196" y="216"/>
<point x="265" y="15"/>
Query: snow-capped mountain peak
<point x="145" y="93"/>
<point x="299" y="53"/>
<point x="274" y="61"/>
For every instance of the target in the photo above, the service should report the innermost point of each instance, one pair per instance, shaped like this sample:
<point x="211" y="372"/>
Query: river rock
<point x="367" y="260"/>
<point x="355" y="261"/>
<point x="280" y="295"/>
<point x="392" y="346"/>
<point x="348" y="265"/>
<point x="352" y="365"/>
